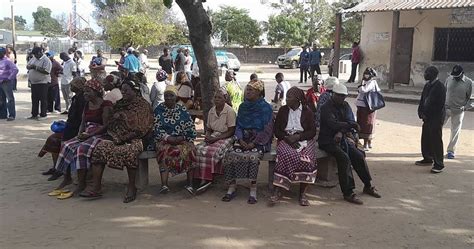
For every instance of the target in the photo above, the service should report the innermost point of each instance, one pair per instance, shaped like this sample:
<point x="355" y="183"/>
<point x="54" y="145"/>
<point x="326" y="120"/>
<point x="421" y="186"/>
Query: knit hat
<point x="330" y="82"/>
<point x="256" y="84"/>
<point x="340" y="89"/>
<point x="161" y="75"/>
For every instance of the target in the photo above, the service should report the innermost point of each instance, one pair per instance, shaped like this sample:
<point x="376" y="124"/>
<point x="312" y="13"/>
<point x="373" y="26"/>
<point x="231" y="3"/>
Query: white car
<point x="232" y="61"/>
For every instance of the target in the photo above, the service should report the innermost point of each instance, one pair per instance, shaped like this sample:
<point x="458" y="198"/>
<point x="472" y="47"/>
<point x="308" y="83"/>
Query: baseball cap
<point x="457" y="71"/>
<point x="50" y="54"/>
<point x="340" y="89"/>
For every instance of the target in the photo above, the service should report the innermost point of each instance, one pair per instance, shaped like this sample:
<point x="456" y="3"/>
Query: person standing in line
<point x="304" y="64"/>
<point x="69" y="73"/>
<point x="39" y="69"/>
<point x="365" y="116"/>
<point x="8" y="72"/>
<point x="188" y="63"/>
<point x="54" y="101"/>
<point x="11" y="54"/>
<point x="131" y="64"/>
<point x="166" y="63"/>
<point x="355" y="59"/>
<point x="179" y="62"/>
<point x="458" y="99"/>
<point x="314" y="60"/>
<point x="144" y="65"/>
<point x="331" y="61"/>
<point x="432" y="111"/>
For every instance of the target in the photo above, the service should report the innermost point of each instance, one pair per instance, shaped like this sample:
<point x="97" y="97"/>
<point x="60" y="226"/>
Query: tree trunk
<point x="200" y="29"/>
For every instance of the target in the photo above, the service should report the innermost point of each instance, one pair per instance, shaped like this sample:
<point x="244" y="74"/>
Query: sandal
<point x="190" y="189"/>
<point x="58" y="192"/>
<point x="129" y="198"/>
<point x="228" y="197"/>
<point x="252" y="200"/>
<point x="164" y="189"/>
<point x="304" y="201"/>
<point x="275" y="198"/>
<point x="90" y="194"/>
<point x="64" y="196"/>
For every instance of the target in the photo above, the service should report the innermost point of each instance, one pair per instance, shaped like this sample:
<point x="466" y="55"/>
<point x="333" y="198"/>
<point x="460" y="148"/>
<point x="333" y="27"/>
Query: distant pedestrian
<point x="131" y="64"/>
<point x="166" y="63"/>
<point x="355" y="59"/>
<point x="121" y="61"/>
<point x="68" y="74"/>
<point x="79" y="59"/>
<point x="366" y="117"/>
<point x="332" y="61"/>
<point x="304" y="64"/>
<point x="11" y="54"/>
<point x="188" y="63"/>
<point x="39" y="69"/>
<point x="432" y="111"/>
<point x="281" y="89"/>
<point x="144" y="64"/>
<point x="314" y="61"/>
<point x="458" y="99"/>
<point x="8" y="72"/>
<point x="97" y="66"/>
<point x="180" y="61"/>
<point x="54" y="101"/>
<point x="253" y="76"/>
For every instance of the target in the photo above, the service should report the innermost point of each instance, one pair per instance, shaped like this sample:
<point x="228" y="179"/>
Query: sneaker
<point x="424" y="162"/>
<point x="57" y="112"/>
<point x="450" y="155"/>
<point x="437" y="169"/>
<point x="372" y="192"/>
<point x="10" y="119"/>
<point x="353" y="199"/>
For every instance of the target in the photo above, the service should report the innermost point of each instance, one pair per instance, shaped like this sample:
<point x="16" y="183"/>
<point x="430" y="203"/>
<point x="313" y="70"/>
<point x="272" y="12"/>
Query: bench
<point x="326" y="176"/>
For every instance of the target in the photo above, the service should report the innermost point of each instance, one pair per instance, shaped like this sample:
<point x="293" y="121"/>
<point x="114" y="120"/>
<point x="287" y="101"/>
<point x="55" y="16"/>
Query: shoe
<point x="424" y="162"/>
<point x="190" y="189"/>
<point x="353" y="199"/>
<point x="57" y="112"/>
<point x="450" y="155"/>
<point x="437" y="169"/>
<point x="49" y="172"/>
<point x="64" y="112"/>
<point x="372" y="192"/>
<point x="55" y="176"/>
<point x="164" y="189"/>
<point x="10" y="119"/>
<point x="204" y="186"/>
<point x="366" y="148"/>
<point x="42" y="118"/>
<point x="32" y="118"/>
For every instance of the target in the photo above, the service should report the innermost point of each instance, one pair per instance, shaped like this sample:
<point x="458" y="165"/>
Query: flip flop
<point x="64" y="196"/>
<point x="90" y="194"/>
<point x="130" y="198"/>
<point x="229" y="197"/>
<point x="58" y="192"/>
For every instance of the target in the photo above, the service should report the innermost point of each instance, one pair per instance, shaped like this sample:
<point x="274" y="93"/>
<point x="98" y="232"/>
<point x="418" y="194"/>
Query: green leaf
<point x="168" y="3"/>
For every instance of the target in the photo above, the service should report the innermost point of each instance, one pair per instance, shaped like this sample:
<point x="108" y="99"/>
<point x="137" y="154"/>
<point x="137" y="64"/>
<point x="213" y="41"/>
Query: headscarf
<point x="254" y="114"/>
<point x="257" y="84"/>
<point x="161" y="75"/>
<point x="79" y="83"/>
<point x="114" y="80"/>
<point x="172" y="89"/>
<point x="297" y="93"/>
<point x="132" y="84"/>
<point x="95" y="85"/>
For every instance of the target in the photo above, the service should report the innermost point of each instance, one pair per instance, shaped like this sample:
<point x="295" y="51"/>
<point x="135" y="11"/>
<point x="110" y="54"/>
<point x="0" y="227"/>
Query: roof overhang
<point x="400" y="5"/>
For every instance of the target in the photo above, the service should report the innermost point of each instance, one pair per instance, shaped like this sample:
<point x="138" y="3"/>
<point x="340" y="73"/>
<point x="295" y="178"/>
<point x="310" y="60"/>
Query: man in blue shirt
<point x="304" y="64"/>
<point x="131" y="63"/>
<point x="314" y="60"/>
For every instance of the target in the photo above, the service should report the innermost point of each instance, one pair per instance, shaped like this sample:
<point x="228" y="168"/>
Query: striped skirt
<point x="208" y="158"/>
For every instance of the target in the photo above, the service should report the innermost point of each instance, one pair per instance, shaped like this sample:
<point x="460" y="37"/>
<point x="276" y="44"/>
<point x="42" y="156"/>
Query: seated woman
<point x="174" y="135"/>
<point x="185" y="90"/>
<point x="254" y="132"/>
<point x="295" y="130"/>
<point x="74" y="118"/>
<point x="75" y="153"/>
<point x="219" y="139"/>
<point x="130" y="121"/>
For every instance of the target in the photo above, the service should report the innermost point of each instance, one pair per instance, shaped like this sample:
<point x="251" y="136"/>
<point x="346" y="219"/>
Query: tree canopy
<point x="286" y="31"/>
<point x="6" y="23"/>
<point x="44" y="22"/>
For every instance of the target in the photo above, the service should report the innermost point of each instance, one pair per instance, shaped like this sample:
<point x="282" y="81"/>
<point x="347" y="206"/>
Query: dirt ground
<point x="417" y="210"/>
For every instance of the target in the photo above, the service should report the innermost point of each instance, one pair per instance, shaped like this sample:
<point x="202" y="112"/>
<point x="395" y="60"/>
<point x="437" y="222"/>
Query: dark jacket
<point x="431" y="106"/>
<point x="307" y="122"/>
<point x="335" y="119"/>
<point x="74" y="117"/>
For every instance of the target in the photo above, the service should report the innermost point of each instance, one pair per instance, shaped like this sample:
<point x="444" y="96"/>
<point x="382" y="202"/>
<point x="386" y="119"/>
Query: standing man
<point x="314" y="60"/>
<point x="188" y="63"/>
<point x="458" y="99"/>
<point x="355" y="59"/>
<point x="131" y="64"/>
<point x="331" y="61"/>
<point x="304" y="64"/>
<point x="39" y="69"/>
<point x="432" y="111"/>
<point x="166" y="63"/>
<point x="97" y="66"/>
<point x="180" y="61"/>
<point x="8" y="72"/>
<point x="53" y="88"/>
<point x="69" y="72"/>
<point x="144" y="61"/>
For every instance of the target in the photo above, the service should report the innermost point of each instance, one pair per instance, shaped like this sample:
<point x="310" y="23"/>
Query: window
<point x="454" y="44"/>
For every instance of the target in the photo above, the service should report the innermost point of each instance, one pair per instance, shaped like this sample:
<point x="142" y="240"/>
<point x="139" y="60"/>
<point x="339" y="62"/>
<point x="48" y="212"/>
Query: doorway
<point x="403" y="55"/>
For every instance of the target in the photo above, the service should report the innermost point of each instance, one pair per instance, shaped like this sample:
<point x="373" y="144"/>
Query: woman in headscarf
<point x="185" y="90"/>
<point x="158" y="89"/>
<point x="74" y="118"/>
<point x="112" y="85"/>
<point x="130" y="121"/>
<point x="219" y="139"/>
<point x="366" y="117"/>
<point x="296" y="159"/>
<point x="254" y="133"/>
<point x="174" y="135"/>
<point x="76" y="153"/>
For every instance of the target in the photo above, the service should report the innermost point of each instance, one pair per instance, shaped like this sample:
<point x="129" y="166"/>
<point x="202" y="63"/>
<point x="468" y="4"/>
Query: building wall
<point x="5" y="37"/>
<point x="376" y="38"/>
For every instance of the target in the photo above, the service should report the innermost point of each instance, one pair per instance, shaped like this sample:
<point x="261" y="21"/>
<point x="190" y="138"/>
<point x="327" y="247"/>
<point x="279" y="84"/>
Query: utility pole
<point x="13" y="25"/>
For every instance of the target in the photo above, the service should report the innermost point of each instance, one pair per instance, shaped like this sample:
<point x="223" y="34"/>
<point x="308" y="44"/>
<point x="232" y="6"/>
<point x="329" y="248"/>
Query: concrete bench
<point x="326" y="176"/>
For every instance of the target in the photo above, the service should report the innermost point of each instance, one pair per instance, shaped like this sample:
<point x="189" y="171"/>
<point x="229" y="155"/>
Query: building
<point x="408" y="36"/>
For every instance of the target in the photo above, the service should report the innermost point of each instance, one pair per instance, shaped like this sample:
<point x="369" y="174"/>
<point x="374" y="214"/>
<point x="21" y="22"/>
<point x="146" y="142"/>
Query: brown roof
<point x="393" y="5"/>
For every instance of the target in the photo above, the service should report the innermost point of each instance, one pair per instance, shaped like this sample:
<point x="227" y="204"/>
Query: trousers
<point x="353" y="72"/>
<point x="313" y="68"/>
<point x="432" y="142"/>
<point x="7" y="99"/>
<point x="39" y="94"/>
<point x="456" y="116"/>
<point x="67" y="95"/>
<point x="53" y="98"/>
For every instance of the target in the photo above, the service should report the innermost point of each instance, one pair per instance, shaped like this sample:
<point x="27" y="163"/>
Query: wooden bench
<point x="326" y="176"/>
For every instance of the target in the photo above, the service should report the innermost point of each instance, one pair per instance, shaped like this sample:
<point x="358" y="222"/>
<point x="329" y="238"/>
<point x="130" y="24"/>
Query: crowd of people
<point x="114" y="117"/>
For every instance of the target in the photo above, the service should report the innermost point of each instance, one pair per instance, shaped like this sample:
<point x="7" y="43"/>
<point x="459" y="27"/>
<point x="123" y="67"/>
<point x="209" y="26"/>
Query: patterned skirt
<point x="241" y="164"/>
<point x="366" y="121"/>
<point x="52" y="144"/>
<point x="118" y="156"/>
<point x="293" y="166"/>
<point x="208" y="158"/>
<point x="176" y="159"/>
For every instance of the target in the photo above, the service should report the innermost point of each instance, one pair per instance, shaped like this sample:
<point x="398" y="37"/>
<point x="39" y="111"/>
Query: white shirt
<point x="294" y="120"/>
<point x="157" y="93"/>
<point x="367" y="86"/>
<point x="188" y="63"/>
<point x="144" y="61"/>
<point x="68" y="68"/>
<point x="283" y="87"/>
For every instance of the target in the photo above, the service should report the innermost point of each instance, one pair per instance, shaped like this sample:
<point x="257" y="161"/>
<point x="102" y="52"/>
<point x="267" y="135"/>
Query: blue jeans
<point x="7" y="91"/>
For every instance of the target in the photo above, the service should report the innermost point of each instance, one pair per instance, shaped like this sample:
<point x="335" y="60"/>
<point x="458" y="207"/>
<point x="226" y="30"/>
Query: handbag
<point x="374" y="100"/>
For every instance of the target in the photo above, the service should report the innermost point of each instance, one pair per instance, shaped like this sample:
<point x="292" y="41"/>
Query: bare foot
<point x="130" y="196"/>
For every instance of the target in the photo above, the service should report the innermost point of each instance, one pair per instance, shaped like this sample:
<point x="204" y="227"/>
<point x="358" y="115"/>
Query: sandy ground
<point x="418" y="209"/>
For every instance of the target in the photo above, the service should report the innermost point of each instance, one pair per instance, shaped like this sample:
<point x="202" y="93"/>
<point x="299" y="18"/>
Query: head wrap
<point x="297" y="93"/>
<point x="256" y="84"/>
<point x="113" y="79"/>
<point x="94" y="85"/>
<point x="79" y="83"/>
<point x="132" y="84"/>
<point x="172" y="89"/>
<point x="161" y="75"/>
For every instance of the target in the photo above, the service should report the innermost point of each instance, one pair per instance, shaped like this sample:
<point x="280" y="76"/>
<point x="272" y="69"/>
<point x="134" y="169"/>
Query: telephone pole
<point x="13" y="25"/>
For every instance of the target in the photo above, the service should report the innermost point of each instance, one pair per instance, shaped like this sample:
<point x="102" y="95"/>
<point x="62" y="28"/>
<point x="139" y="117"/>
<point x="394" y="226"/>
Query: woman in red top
<point x="312" y="95"/>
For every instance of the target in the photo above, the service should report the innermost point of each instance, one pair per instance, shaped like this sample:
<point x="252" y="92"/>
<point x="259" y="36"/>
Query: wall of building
<point x="376" y="39"/>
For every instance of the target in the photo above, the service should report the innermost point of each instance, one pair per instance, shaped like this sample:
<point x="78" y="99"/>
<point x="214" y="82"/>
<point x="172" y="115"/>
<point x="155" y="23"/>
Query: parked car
<point x="232" y="61"/>
<point x="290" y="59"/>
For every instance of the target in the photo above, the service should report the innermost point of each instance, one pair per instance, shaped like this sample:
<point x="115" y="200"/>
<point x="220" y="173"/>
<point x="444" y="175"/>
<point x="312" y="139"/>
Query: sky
<point x="25" y="8"/>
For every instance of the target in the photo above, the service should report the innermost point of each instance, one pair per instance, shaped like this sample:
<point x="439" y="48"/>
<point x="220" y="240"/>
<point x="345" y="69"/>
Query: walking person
<point x="304" y="64"/>
<point x="331" y="61"/>
<point x="8" y="72"/>
<point x="54" y="101"/>
<point x="314" y="60"/>
<point x="432" y="111"/>
<point x="281" y="89"/>
<point x="458" y="99"/>
<point x="355" y="59"/>
<point x="69" y="72"/>
<point x="39" y="69"/>
<point x="365" y="116"/>
<point x="179" y="62"/>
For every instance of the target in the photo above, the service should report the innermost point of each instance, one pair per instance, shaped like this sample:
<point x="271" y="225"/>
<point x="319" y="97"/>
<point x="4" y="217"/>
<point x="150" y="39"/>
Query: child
<point x="312" y="95"/>
<point x="281" y="89"/>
